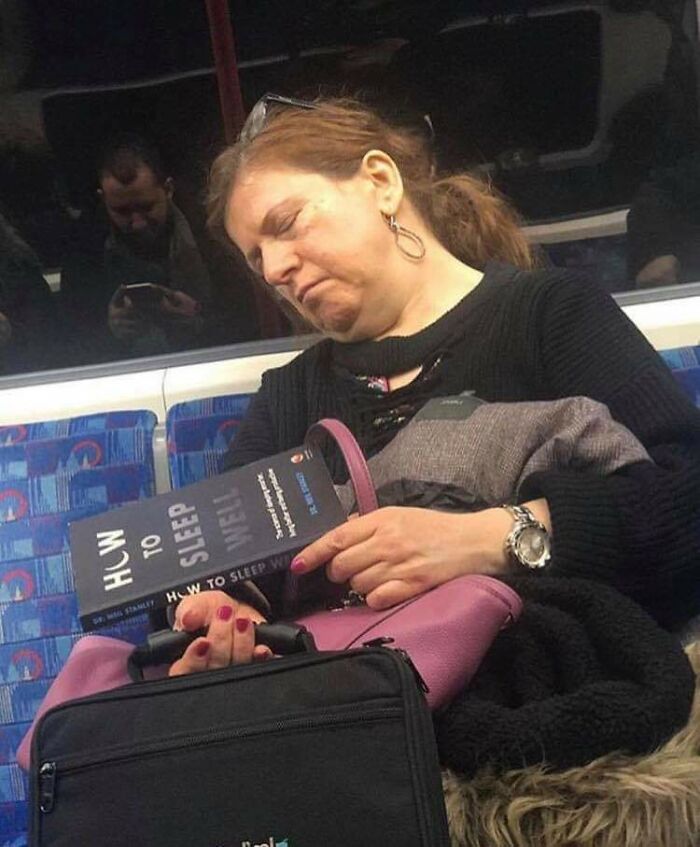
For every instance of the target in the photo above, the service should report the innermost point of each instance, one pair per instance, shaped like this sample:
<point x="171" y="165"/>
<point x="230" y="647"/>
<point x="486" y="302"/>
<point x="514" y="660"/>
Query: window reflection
<point x="135" y="281"/>
<point x="571" y="109"/>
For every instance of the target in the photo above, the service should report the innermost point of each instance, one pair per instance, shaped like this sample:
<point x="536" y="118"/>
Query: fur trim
<point x="615" y="801"/>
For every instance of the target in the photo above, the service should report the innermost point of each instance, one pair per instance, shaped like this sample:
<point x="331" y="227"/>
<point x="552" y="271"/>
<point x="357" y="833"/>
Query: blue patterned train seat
<point x="685" y="364"/>
<point x="52" y="473"/>
<point x="199" y="433"/>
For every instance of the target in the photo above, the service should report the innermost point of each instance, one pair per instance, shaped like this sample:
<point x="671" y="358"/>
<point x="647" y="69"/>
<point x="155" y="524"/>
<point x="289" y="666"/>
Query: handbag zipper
<point x="49" y="771"/>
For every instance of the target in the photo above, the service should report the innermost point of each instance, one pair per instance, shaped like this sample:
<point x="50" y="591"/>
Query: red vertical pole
<point x="233" y="115"/>
<point x="222" y="45"/>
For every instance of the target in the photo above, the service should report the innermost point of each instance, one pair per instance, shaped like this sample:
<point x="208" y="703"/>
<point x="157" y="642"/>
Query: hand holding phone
<point x="124" y="319"/>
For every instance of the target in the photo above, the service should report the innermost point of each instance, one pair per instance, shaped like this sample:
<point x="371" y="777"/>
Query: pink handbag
<point x="446" y="632"/>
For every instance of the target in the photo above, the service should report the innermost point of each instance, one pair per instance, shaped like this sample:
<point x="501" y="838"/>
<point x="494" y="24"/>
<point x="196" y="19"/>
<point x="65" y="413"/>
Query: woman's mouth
<point x="305" y="289"/>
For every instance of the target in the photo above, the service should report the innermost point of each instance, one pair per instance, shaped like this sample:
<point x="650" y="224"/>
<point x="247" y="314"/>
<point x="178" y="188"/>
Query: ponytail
<point x="475" y="222"/>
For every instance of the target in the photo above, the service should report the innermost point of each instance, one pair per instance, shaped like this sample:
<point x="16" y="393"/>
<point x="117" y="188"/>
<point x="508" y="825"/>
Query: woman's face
<point x="322" y="243"/>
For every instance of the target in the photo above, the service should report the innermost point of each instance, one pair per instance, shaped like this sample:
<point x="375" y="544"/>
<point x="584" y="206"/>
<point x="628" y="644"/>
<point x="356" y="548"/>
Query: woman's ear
<point x="385" y="180"/>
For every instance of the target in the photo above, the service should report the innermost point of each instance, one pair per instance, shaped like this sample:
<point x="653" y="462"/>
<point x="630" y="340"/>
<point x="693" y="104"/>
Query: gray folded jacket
<point x="493" y="451"/>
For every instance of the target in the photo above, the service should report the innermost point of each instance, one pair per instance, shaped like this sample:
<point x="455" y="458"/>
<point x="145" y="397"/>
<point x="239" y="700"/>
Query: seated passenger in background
<point x="28" y="330"/>
<point x="663" y="227"/>
<point x="146" y="242"/>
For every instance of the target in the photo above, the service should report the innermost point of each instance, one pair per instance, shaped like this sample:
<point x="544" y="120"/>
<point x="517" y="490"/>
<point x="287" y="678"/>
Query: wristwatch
<point x="528" y="542"/>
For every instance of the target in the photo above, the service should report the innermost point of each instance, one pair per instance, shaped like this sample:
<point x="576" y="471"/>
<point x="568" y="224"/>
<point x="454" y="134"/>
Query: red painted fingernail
<point x="242" y="624"/>
<point x="297" y="565"/>
<point x="202" y="649"/>
<point x="224" y="613"/>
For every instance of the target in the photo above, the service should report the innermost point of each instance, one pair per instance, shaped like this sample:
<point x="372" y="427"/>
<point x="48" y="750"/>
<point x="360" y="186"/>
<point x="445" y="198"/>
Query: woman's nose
<point x="279" y="264"/>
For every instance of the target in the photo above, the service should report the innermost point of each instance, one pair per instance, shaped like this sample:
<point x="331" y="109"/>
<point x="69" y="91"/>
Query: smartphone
<point x="144" y="295"/>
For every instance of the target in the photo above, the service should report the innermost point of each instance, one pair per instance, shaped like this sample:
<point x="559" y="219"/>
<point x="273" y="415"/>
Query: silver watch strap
<point x="520" y="513"/>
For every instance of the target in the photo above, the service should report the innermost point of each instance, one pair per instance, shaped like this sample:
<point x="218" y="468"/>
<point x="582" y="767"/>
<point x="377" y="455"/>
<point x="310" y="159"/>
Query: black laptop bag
<point x="310" y="750"/>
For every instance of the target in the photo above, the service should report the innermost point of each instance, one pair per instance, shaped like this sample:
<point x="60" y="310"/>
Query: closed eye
<point x="287" y="223"/>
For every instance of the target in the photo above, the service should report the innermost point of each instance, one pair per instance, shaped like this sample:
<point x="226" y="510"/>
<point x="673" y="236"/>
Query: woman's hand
<point x="230" y="637"/>
<point x="398" y="552"/>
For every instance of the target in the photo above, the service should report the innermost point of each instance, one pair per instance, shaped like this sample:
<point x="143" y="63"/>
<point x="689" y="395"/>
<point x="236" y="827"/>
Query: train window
<point x="577" y="111"/>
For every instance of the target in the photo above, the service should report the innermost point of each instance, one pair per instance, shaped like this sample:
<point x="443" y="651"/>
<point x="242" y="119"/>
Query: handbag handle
<point x="354" y="459"/>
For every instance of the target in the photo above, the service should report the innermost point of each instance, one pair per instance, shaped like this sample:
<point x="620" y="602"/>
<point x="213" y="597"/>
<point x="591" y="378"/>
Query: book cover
<point x="236" y="526"/>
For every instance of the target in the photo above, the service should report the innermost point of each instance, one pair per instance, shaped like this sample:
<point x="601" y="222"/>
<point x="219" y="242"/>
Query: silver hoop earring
<point x="401" y="232"/>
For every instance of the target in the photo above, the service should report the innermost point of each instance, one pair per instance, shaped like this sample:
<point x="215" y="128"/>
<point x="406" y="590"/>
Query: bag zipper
<point x="416" y="729"/>
<point x="429" y="821"/>
<point x="383" y="641"/>
<point x="49" y="771"/>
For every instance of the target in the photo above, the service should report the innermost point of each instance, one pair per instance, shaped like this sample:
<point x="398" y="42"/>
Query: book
<point x="239" y="525"/>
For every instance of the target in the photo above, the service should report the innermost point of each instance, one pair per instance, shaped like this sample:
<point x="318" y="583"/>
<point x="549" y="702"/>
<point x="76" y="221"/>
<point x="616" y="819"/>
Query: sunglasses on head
<point x="260" y="112"/>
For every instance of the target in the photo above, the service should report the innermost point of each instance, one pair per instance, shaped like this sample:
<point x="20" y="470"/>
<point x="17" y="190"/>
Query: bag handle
<point x="354" y="459"/>
<point x="167" y="645"/>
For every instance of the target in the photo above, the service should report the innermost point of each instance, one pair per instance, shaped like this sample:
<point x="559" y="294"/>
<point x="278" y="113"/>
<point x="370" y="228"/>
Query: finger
<point x="332" y="543"/>
<point x="261" y="653"/>
<point x="371" y="578"/>
<point x="191" y="613"/>
<point x="117" y="298"/>
<point x="353" y="561"/>
<point x="250" y="612"/>
<point x="390" y="593"/>
<point x="194" y="659"/>
<point x="198" y="610"/>
<point x="220" y="634"/>
<point x="244" y="641"/>
<point x="167" y="304"/>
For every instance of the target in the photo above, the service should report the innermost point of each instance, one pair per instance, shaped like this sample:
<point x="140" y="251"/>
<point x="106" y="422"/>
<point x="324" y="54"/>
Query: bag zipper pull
<point x="382" y="641"/>
<point x="422" y="684"/>
<point x="47" y="786"/>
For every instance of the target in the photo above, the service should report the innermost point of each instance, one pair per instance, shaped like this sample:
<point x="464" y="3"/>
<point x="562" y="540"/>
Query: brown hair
<point x="473" y="221"/>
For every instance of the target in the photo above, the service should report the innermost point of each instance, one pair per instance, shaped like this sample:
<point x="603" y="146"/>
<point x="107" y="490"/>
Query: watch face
<point x="533" y="548"/>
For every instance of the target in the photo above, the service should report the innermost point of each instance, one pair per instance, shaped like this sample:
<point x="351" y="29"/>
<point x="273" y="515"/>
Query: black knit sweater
<point x="519" y="336"/>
